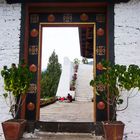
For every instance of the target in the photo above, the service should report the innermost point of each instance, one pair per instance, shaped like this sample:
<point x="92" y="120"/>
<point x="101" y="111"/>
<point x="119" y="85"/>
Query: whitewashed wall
<point x="10" y="16"/>
<point x="65" y="78"/>
<point x="127" y="51"/>
<point x="127" y="48"/>
<point x="127" y="32"/>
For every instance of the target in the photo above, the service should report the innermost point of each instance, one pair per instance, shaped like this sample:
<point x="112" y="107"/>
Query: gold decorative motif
<point x="67" y="18"/>
<point x="34" y="18"/>
<point x="100" y="18"/>
<point x="84" y="17"/>
<point x="32" y="88"/>
<point x="33" y="68"/>
<point x="100" y="50"/>
<point x="100" y="87"/>
<point x="51" y="18"/>
<point x="100" y="32"/>
<point x="31" y="106"/>
<point x="33" y="50"/>
<point x="34" y="33"/>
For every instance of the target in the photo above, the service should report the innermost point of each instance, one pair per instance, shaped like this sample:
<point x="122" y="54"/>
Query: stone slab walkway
<point x="65" y="112"/>
<point x="68" y="112"/>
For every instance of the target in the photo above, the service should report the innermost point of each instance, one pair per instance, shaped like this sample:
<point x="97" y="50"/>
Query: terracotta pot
<point x="113" y="130"/>
<point x="14" y="129"/>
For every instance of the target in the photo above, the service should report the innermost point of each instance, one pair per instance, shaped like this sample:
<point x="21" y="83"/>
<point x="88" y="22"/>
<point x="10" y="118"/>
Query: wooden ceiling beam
<point x="59" y="1"/>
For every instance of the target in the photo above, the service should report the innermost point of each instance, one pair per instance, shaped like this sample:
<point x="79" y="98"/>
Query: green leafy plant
<point x="116" y="79"/>
<point x="76" y="61"/>
<point x="16" y="83"/>
<point x="72" y="84"/>
<point x="85" y="60"/>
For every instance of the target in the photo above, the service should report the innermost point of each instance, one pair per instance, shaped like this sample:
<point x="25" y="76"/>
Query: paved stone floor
<point x="68" y="112"/>
<point x="65" y="112"/>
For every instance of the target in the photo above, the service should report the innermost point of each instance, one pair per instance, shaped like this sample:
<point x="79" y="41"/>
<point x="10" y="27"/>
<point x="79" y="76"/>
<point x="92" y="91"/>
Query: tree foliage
<point x="117" y="79"/>
<point x="50" y="77"/>
<point x="16" y="83"/>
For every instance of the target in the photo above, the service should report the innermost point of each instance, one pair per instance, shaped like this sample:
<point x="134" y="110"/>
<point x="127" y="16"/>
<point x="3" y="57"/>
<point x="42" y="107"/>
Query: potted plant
<point x="76" y="64"/>
<point x="72" y="85"/>
<point x="16" y="83"/>
<point x="116" y="79"/>
<point x="85" y="60"/>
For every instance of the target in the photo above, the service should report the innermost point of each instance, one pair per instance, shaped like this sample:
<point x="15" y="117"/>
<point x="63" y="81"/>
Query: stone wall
<point x="127" y="32"/>
<point x="10" y="17"/>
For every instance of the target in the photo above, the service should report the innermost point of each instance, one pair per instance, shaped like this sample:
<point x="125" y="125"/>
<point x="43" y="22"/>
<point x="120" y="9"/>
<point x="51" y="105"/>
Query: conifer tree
<point x="50" y="77"/>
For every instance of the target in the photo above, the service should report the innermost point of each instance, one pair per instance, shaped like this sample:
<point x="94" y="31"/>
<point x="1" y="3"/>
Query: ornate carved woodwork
<point x="68" y="13"/>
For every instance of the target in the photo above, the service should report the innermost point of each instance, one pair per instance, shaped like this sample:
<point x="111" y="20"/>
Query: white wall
<point x="65" y="78"/>
<point x="127" y="32"/>
<point x="10" y="16"/>
<point x="2" y="1"/>
<point x="127" y="51"/>
<point x="127" y="42"/>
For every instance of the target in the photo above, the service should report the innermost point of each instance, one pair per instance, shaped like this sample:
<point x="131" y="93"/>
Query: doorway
<point x="91" y="16"/>
<point x="66" y="44"/>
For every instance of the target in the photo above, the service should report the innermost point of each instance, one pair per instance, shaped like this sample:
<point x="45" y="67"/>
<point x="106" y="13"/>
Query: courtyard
<point x="67" y="112"/>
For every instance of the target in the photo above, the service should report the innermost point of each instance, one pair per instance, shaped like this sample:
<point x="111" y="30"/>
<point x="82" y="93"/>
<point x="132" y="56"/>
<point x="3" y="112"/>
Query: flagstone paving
<point x="67" y="112"/>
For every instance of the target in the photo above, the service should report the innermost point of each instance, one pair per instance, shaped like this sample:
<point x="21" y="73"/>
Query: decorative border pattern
<point x="67" y="18"/>
<point x="98" y="37"/>
<point x="34" y="18"/>
<point x="33" y="88"/>
<point x="100" y="18"/>
<point x="31" y="106"/>
<point x="100" y="50"/>
<point x="33" y="50"/>
<point x="34" y="33"/>
<point x="51" y="18"/>
<point x="84" y="17"/>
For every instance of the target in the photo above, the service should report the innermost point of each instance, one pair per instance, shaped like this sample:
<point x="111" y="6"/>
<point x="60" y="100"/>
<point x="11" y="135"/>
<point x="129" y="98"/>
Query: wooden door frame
<point x="36" y="8"/>
<point x="77" y="24"/>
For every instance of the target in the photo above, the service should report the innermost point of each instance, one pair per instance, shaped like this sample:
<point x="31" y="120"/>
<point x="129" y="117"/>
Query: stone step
<point x="70" y="127"/>
<point x="87" y="97"/>
<point x="63" y="131"/>
<point x="61" y="136"/>
<point x="83" y="95"/>
<point x="83" y="99"/>
<point x="83" y="89"/>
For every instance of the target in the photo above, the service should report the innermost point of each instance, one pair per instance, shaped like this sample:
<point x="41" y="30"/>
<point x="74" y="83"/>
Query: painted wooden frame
<point x="31" y="109"/>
